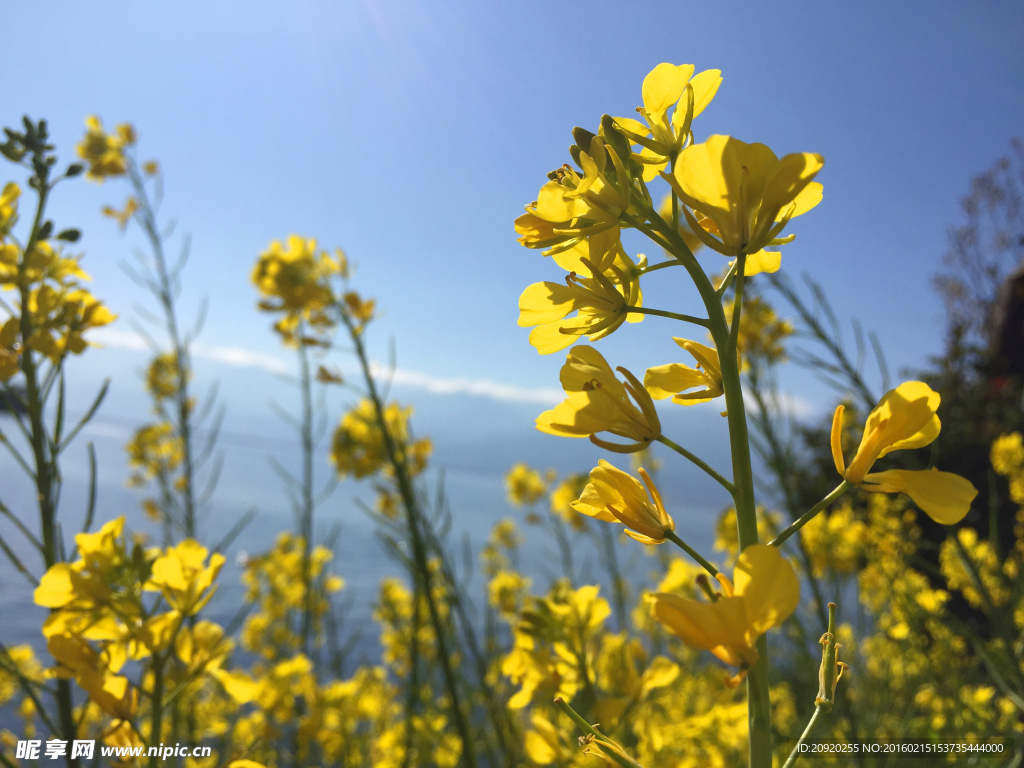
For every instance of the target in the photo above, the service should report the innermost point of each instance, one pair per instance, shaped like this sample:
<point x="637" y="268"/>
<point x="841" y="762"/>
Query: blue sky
<point x="412" y="133"/>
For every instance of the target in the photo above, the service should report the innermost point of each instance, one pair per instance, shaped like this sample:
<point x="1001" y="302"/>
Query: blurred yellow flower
<point x="904" y="419"/>
<point x="525" y="486"/>
<point x="599" y="402"/>
<point x="358" y="447"/>
<point x="766" y="592"/>
<point x="184" y="577"/>
<point x="613" y="495"/>
<point x="748" y="194"/>
<point x="105" y="153"/>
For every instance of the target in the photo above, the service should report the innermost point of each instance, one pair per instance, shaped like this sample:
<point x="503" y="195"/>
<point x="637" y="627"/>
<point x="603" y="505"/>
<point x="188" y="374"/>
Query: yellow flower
<point x="162" y="376"/>
<point x="904" y="419"/>
<point x="123" y="216"/>
<point x="602" y="298"/>
<point x="184" y="578"/>
<point x="294" y="278"/>
<point x="674" y="379"/>
<point x="766" y="592"/>
<point x="567" y="492"/>
<point x="599" y="402"/>
<point x="154" y="451"/>
<point x="570" y="208"/>
<point x="748" y="194"/>
<point x="104" y="153"/>
<point x="616" y="495"/>
<point x="664" y="88"/>
<point x="8" y="207"/>
<point x="358" y="447"/>
<point x="151" y="167"/>
<point x="525" y="486"/>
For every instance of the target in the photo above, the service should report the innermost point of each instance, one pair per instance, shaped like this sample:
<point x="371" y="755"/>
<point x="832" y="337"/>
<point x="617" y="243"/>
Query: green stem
<point x="795" y="754"/>
<point x="671" y="536"/>
<point x="673" y="315"/>
<point x="591" y="730"/>
<point x="806" y="517"/>
<point x="686" y="454"/>
<point x="46" y="472"/>
<point x="758" y="702"/>
<point x="397" y="459"/>
<point x="158" y="709"/>
<point x="737" y="307"/>
<point x="655" y="267"/>
<point x="182" y="399"/>
<point x="306" y="521"/>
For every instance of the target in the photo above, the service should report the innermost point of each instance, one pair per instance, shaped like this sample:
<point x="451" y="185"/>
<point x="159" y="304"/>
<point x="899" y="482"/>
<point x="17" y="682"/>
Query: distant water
<point x="476" y="441"/>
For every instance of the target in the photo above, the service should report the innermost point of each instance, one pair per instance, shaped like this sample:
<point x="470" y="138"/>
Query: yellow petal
<point x="944" y="496"/>
<point x="909" y="412"/>
<point x="56" y="588"/>
<point x="837" y="441"/>
<point x="766" y="262"/>
<point x="554" y="206"/>
<point x="790" y="177"/>
<point x="546" y="302"/>
<point x="664" y="85"/>
<point x="769" y="587"/>
<point x="239" y="686"/>
<point x="158" y="631"/>
<point x="660" y="673"/>
<point x="806" y="199"/>
<point x="568" y="419"/>
<point x="549" y="338"/>
<point x="701" y="625"/>
<point x="664" y="381"/>
<point x="591" y="504"/>
<point x="705" y="86"/>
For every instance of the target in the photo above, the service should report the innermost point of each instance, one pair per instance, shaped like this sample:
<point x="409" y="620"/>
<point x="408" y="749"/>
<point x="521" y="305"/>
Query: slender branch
<point x="686" y="454"/>
<point x="592" y="731"/>
<point x="795" y="754"/>
<point x="737" y="306"/>
<point x="672" y="315"/>
<point x="659" y="265"/>
<point x="806" y="517"/>
<point x="671" y="536"/>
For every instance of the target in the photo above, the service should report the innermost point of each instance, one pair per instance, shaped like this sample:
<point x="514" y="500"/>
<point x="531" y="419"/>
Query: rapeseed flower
<point x="599" y="402"/>
<point x="747" y="194"/>
<point x="664" y="89"/>
<point x="525" y="486"/>
<point x="602" y="298"/>
<point x="904" y="419"/>
<point x="104" y="152"/>
<point x="764" y="593"/>
<point x="613" y="495"/>
<point x="674" y="379"/>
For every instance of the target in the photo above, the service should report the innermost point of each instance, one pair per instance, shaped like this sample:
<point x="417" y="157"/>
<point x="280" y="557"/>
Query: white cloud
<point x="477" y="387"/>
<point x="246" y="358"/>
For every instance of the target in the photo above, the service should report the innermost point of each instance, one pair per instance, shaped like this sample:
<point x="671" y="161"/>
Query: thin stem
<point x="591" y="730"/>
<point x="737" y="307"/>
<point x="397" y="459"/>
<point x="671" y="536"/>
<point x="727" y="280"/>
<point x="672" y="315"/>
<point x="686" y="454"/>
<point x="806" y="517"/>
<point x="659" y="265"/>
<point x="758" y="702"/>
<point x="795" y="754"/>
